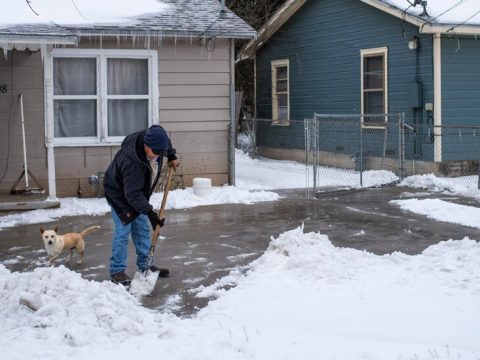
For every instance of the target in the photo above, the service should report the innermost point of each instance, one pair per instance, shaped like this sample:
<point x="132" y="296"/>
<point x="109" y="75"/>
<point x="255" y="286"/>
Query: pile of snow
<point x="442" y="210"/>
<point x="463" y="186"/>
<point x="302" y="299"/>
<point x="245" y="143"/>
<point x="77" y="12"/>
<point x="183" y="199"/>
<point x="57" y="305"/>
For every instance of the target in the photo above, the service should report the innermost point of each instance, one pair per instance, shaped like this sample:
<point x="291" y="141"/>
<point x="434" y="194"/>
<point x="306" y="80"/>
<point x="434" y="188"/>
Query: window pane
<point x="373" y="103"/>
<point x="127" y="116"/>
<point x="74" y="76"/>
<point x="282" y="113"/>
<point x="127" y="77"/>
<point x="373" y="72"/>
<point x="75" y="118"/>
<point x="282" y="72"/>
<point x="282" y="100"/>
<point x="282" y="86"/>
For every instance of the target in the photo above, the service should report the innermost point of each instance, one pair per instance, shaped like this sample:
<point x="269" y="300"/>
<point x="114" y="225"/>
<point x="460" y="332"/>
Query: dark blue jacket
<point x="128" y="179"/>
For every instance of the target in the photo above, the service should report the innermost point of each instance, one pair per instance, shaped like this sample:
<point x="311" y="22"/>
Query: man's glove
<point x="155" y="220"/>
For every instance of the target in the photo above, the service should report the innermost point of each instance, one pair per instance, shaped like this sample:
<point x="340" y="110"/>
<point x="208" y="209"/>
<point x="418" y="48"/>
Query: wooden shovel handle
<point x="156" y="232"/>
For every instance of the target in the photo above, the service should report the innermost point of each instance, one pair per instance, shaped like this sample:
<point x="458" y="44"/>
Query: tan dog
<point x="55" y="243"/>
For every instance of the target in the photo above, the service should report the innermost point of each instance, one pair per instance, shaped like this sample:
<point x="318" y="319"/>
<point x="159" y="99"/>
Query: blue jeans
<point x="140" y="230"/>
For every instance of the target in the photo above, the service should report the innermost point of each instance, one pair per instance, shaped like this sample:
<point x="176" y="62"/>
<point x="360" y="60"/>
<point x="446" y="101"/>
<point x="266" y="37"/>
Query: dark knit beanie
<point x="156" y="138"/>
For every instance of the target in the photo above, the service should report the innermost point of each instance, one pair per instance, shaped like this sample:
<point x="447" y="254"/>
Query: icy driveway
<point x="205" y="243"/>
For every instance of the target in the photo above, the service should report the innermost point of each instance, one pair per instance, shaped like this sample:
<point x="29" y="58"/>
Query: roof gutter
<point x="164" y="33"/>
<point x="452" y="29"/>
<point x="35" y="42"/>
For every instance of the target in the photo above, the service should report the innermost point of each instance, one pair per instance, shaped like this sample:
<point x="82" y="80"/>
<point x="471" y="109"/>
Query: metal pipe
<point x="232" y="127"/>
<point x="361" y="150"/>
<point x="25" y="163"/>
<point x="49" y="129"/>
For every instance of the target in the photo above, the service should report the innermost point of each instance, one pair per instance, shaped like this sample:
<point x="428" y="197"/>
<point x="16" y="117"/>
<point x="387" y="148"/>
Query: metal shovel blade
<point x="143" y="283"/>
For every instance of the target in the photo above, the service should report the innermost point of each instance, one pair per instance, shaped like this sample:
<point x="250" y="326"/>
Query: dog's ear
<point x="41" y="230"/>
<point x="56" y="229"/>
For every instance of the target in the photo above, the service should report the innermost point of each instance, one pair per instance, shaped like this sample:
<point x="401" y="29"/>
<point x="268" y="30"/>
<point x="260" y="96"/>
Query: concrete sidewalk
<point x="205" y="243"/>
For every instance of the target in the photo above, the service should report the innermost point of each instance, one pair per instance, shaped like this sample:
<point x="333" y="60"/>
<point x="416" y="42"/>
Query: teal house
<point x="419" y="58"/>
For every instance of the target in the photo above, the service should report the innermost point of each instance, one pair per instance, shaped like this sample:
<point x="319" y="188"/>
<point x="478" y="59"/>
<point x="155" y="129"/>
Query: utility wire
<point x="31" y="8"/>
<point x="463" y="22"/>
<point x="78" y="10"/>
<point x="451" y="8"/>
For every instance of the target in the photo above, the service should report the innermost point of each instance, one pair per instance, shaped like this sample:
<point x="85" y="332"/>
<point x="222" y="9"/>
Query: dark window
<point x="280" y="94"/>
<point x="373" y="88"/>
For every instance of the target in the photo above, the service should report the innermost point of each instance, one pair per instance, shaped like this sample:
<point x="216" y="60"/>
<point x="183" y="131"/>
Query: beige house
<point x="84" y="87"/>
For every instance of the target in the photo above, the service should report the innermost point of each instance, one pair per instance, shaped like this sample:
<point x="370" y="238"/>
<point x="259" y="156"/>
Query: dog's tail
<point x="89" y="230"/>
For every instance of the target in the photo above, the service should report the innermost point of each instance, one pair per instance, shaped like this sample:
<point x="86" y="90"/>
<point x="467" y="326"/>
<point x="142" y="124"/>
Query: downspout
<point x="437" y="96"/>
<point x="232" y="130"/>
<point x="49" y="131"/>
<point x="254" y="123"/>
<point x="255" y="85"/>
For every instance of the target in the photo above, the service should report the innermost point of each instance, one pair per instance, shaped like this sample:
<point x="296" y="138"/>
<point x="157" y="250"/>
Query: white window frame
<point x="381" y="51"/>
<point x="101" y="55"/>
<point x="274" y="65"/>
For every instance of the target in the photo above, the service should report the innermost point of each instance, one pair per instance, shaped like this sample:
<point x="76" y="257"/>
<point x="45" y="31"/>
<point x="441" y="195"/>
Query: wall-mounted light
<point x="413" y="43"/>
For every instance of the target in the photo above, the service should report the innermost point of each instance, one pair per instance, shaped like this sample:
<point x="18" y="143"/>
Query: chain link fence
<point x="458" y="147"/>
<point x="353" y="151"/>
<point x="355" y="144"/>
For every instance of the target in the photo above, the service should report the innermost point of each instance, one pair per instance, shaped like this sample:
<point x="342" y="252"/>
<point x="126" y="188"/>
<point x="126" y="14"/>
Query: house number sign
<point x="3" y="88"/>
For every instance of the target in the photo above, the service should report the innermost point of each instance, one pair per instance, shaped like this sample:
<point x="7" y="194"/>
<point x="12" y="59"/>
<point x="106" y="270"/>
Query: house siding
<point x="322" y="42"/>
<point x="194" y="107"/>
<point x="22" y="73"/>
<point x="460" y="96"/>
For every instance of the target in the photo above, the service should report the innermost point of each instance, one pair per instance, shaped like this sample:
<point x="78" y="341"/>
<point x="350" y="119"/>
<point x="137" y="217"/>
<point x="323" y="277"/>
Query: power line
<point x="463" y="22"/>
<point x="31" y="8"/>
<point x="78" y="10"/>
<point x="451" y="8"/>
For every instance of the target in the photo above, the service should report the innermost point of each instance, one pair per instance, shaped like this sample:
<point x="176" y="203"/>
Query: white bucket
<point x="202" y="186"/>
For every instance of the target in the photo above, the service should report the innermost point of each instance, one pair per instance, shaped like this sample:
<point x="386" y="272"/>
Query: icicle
<point x="118" y="41"/>
<point x="133" y="40"/>
<point x="4" y="48"/>
<point x="101" y="42"/>
<point x="43" y="51"/>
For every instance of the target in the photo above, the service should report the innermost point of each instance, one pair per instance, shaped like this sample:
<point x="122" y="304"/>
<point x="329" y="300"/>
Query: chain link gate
<point x="342" y="149"/>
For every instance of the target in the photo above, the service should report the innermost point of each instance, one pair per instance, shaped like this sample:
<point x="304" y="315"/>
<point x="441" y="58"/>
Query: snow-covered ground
<point x="281" y="174"/>
<point x="302" y="299"/>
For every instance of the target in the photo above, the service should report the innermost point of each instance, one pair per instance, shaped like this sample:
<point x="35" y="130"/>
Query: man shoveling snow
<point x="129" y="183"/>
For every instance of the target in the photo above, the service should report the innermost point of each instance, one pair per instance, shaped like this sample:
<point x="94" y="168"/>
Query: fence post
<point x="315" y="153"/>
<point x="254" y="138"/>
<point x="361" y="150"/>
<point x="401" y="145"/>
<point x="308" y="149"/>
<point x="478" y="184"/>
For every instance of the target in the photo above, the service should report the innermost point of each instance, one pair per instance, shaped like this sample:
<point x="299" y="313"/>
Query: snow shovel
<point x="144" y="283"/>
